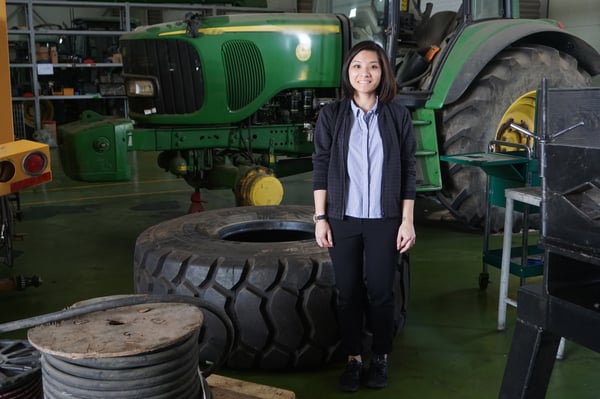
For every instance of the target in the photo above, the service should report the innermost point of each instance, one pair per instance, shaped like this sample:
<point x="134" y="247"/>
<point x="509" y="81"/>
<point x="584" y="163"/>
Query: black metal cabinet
<point x="567" y="303"/>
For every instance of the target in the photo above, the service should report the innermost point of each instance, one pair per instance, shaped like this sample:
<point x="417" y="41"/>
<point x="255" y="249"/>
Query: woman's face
<point x="364" y="72"/>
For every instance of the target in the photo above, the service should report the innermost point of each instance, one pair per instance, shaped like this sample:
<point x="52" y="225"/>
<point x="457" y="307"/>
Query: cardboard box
<point x="53" y="55"/>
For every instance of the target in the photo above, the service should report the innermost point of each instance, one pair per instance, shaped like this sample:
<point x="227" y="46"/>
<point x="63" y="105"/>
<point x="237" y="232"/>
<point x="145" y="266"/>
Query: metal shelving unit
<point x="37" y="69"/>
<point x="120" y="13"/>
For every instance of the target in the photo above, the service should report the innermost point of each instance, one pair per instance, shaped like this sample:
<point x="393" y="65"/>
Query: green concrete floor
<point x="80" y="237"/>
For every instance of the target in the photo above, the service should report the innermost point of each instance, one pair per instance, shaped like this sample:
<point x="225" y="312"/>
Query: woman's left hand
<point x="406" y="237"/>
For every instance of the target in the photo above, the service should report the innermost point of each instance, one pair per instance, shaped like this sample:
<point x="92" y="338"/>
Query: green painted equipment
<point x="105" y="158"/>
<point x="221" y="96"/>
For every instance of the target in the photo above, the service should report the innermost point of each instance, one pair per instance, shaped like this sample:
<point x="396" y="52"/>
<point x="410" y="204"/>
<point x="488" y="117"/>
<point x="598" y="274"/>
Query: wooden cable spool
<point x="149" y="350"/>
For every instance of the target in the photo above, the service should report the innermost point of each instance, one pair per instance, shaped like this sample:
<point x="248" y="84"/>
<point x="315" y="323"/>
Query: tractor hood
<point x="214" y="70"/>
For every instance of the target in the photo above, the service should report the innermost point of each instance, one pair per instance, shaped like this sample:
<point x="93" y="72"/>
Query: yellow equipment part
<point x="404" y="5"/>
<point x="6" y="122"/>
<point x="23" y="163"/>
<point x="522" y="113"/>
<point x="260" y="187"/>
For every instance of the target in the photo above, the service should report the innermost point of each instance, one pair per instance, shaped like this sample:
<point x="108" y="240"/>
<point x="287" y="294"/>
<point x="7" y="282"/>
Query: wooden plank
<point x="230" y="388"/>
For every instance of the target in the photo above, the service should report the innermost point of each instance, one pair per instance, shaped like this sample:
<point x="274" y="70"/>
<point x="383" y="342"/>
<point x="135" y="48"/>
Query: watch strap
<point x="316" y="218"/>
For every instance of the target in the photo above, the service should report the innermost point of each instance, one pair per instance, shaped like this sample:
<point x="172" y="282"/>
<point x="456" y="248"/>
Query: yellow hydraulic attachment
<point x="23" y="163"/>
<point x="259" y="187"/>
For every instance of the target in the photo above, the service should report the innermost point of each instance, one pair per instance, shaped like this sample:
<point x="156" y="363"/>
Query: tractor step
<point x="428" y="162"/>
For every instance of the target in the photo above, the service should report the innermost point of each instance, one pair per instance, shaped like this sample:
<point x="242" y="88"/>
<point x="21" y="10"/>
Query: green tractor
<point x="230" y="101"/>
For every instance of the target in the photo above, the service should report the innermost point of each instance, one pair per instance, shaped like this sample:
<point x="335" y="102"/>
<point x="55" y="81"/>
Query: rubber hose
<point x="129" y="301"/>
<point x="130" y="375"/>
<point x="415" y="79"/>
<point x="61" y="379"/>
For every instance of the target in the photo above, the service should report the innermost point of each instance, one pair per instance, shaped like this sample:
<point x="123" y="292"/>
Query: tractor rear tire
<point x="471" y="123"/>
<point x="262" y="266"/>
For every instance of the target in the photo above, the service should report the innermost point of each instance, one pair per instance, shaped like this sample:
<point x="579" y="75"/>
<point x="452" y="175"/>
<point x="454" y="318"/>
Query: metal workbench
<point x="505" y="171"/>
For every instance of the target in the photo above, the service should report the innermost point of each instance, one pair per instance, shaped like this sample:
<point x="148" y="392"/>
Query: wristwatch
<point x="316" y="218"/>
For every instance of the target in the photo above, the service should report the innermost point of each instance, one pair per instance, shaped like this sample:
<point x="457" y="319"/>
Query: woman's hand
<point x="406" y="237"/>
<point x="323" y="234"/>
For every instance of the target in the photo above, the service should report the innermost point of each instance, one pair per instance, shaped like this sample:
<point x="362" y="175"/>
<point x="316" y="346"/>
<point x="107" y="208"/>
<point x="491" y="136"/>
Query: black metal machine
<point x="567" y="302"/>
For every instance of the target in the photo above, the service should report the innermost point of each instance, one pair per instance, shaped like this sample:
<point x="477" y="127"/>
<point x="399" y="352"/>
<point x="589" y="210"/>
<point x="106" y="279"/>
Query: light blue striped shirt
<point x="365" y="163"/>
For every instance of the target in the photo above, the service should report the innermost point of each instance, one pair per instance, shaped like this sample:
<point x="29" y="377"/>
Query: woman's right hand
<point x="323" y="234"/>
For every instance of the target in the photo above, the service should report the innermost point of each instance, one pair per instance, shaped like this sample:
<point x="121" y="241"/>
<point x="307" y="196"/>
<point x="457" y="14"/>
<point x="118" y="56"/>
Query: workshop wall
<point x="63" y="16"/>
<point x="581" y="17"/>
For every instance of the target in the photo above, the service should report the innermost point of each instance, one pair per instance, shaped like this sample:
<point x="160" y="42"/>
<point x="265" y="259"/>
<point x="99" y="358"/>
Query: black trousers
<point x="364" y="258"/>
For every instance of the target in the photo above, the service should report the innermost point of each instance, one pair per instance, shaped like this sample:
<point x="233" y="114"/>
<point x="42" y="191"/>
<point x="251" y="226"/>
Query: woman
<point x="364" y="191"/>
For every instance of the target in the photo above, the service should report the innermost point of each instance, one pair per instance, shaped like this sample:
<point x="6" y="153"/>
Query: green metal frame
<point x="428" y="164"/>
<point x="505" y="170"/>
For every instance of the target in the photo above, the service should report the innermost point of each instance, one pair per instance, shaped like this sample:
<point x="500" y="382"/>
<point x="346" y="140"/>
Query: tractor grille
<point x="244" y="72"/>
<point x="175" y="67"/>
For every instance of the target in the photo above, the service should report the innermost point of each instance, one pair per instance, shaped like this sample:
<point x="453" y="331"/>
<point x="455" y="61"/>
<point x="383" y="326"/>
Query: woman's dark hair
<point x="387" y="87"/>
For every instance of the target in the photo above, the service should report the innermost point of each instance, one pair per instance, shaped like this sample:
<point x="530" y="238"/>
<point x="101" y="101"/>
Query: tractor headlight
<point x="140" y="88"/>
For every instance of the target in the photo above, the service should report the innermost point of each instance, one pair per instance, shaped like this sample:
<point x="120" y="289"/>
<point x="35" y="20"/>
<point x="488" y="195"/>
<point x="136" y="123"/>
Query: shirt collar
<point x="357" y="111"/>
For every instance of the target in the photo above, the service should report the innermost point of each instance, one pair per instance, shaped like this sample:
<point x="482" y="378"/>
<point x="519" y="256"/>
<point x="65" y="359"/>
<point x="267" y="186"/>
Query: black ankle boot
<point x="377" y="376"/>
<point x="350" y="379"/>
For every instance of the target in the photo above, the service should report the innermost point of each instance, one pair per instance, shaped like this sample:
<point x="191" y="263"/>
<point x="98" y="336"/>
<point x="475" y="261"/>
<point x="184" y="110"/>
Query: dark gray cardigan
<point x="332" y="135"/>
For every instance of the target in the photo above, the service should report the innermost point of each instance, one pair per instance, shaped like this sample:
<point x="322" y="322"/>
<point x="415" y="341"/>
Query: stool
<point x="528" y="196"/>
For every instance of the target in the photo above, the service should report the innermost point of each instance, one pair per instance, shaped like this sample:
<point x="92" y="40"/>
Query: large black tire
<point x="471" y="123"/>
<point x="263" y="267"/>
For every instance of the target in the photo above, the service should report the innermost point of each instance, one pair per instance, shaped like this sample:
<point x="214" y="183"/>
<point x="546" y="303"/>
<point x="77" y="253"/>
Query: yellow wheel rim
<point x="46" y="110"/>
<point x="522" y="113"/>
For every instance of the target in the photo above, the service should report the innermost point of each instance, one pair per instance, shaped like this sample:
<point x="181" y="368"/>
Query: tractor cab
<point x="415" y="36"/>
